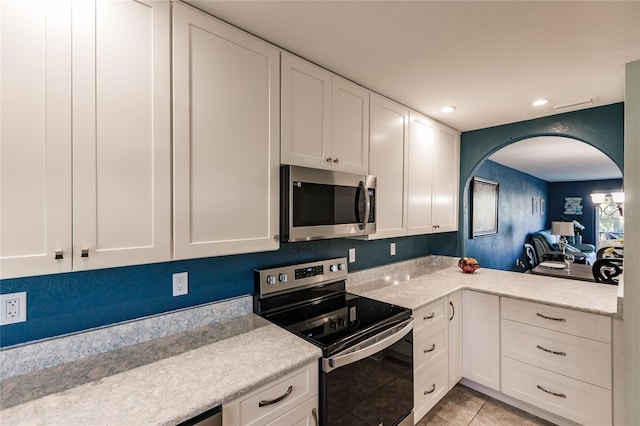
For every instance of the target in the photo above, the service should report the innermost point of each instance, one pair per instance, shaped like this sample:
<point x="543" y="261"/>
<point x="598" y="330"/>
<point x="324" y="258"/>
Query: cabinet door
<point x="305" y="414"/>
<point x="349" y="126"/>
<point x="306" y="113"/>
<point x="389" y="131"/>
<point x="455" y="338"/>
<point x="481" y="338"/>
<point x="445" y="179"/>
<point x="121" y="133"/>
<point x="421" y="141"/>
<point x="226" y="138"/>
<point x="35" y="137"/>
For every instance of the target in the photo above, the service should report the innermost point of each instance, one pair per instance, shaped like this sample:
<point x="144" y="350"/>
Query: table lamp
<point x="564" y="229"/>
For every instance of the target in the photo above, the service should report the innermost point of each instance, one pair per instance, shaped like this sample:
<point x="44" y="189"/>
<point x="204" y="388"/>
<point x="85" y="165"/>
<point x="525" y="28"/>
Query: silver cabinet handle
<point x="550" y="318"/>
<point x="84" y="253"/>
<point x="550" y="351"/>
<point x="264" y="403"/>
<point x="336" y="160"/>
<point x="453" y="311"/>
<point x="433" y="388"/>
<point x="58" y="255"/>
<point x="433" y="347"/>
<point x="329" y="159"/>
<point x="314" y="414"/>
<point x="433" y="314"/>
<point x="559" y="395"/>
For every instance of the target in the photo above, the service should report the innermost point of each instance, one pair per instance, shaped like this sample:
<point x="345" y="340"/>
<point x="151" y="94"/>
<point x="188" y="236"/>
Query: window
<point x="610" y="222"/>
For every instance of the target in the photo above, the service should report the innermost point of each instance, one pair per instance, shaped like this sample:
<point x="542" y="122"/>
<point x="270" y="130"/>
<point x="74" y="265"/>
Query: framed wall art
<point x="484" y="207"/>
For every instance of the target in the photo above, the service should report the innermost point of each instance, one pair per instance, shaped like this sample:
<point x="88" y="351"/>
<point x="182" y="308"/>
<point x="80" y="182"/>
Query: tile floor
<point x="463" y="406"/>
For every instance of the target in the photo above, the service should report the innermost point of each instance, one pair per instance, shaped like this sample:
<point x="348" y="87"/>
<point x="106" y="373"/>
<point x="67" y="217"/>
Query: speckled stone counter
<point x="162" y="381"/>
<point x="415" y="284"/>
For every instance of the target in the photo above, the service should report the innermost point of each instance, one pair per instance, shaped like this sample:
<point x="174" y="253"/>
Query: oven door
<point x="370" y="383"/>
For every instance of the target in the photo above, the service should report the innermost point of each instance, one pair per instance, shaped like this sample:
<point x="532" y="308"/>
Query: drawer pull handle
<point x="59" y="255"/>
<point x="560" y="395"/>
<point x="453" y="311"/>
<point x="433" y="347"/>
<point x="433" y="314"/>
<point x="433" y="388"/>
<point x="550" y="318"/>
<point x="314" y="413"/>
<point x="550" y="351"/>
<point x="278" y="399"/>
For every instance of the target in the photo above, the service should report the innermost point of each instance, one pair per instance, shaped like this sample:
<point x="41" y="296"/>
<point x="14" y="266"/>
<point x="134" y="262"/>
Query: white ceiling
<point x="557" y="159"/>
<point x="490" y="59"/>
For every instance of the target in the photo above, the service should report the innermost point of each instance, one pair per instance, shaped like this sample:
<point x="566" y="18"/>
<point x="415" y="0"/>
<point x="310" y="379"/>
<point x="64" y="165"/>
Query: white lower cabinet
<point x="455" y="338"/>
<point x="430" y="356"/>
<point x="481" y="338"/>
<point x="569" y="398"/>
<point x="287" y="401"/>
<point x="558" y="360"/>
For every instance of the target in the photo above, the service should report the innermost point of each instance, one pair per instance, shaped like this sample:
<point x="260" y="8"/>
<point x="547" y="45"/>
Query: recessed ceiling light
<point x="448" y="109"/>
<point x="540" y="102"/>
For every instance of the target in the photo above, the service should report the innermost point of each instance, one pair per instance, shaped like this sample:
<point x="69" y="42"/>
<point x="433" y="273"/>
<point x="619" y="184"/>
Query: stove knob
<point x="333" y="324"/>
<point x="342" y="266"/>
<point x="271" y="280"/>
<point x="282" y="278"/>
<point x="333" y="268"/>
<point x="340" y="322"/>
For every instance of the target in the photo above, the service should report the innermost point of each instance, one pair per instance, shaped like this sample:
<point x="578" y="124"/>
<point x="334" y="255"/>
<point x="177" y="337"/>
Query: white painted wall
<point x="632" y="243"/>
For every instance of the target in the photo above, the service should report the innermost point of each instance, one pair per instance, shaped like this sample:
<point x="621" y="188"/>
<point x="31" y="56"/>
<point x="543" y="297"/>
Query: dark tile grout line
<point x="478" y="412"/>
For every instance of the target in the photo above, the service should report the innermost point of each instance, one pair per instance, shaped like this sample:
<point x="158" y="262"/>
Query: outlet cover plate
<point x="392" y="249"/>
<point x="180" y="283"/>
<point x="352" y="255"/>
<point x="13" y="308"/>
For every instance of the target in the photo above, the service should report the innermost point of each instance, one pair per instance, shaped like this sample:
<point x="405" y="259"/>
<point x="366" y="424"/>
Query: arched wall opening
<point x="602" y="128"/>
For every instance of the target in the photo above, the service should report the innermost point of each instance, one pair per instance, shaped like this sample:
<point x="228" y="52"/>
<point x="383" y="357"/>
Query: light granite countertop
<point x="169" y="379"/>
<point x="416" y="284"/>
<point x="162" y="381"/>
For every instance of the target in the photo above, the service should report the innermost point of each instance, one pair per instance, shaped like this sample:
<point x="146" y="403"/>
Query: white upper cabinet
<point x="389" y="124"/>
<point x="446" y="177"/>
<point x="433" y="176"/>
<point x="85" y="135"/>
<point x="35" y="138"/>
<point x="325" y="118"/>
<point x="121" y="133"/>
<point x="420" y="173"/>
<point x="226" y="138"/>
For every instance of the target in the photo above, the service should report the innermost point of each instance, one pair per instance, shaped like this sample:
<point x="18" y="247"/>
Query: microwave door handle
<point x="367" y="204"/>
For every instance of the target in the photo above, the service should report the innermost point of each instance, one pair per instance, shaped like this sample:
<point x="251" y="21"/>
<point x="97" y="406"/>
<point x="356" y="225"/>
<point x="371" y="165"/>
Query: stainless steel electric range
<point x="366" y="372"/>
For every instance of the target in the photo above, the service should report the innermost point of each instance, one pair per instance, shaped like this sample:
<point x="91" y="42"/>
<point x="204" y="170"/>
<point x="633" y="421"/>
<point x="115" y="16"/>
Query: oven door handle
<point x="368" y="347"/>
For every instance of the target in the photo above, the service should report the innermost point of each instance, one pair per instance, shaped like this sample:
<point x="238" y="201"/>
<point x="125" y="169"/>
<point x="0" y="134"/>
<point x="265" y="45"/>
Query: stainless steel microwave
<point x="320" y="204"/>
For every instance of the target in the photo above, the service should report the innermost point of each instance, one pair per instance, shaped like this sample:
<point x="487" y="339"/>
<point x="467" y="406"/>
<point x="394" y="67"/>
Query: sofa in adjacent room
<point x="547" y="247"/>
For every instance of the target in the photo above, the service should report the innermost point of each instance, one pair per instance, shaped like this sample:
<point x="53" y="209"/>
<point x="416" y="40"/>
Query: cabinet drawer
<point x="304" y="414"/>
<point x="247" y="409"/>
<point x="577" y="323"/>
<point x="429" y="388"/>
<point x="429" y="315"/>
<point x="429" y="346"/>
<point x="575" y="400"/>
<point x="576" y="357"/>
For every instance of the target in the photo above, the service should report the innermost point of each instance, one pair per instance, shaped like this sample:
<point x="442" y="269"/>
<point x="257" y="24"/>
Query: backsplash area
<point x="68" y="303"/>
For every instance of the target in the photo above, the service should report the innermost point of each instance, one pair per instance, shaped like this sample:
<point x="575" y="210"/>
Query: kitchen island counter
<point x="414" y="284"/>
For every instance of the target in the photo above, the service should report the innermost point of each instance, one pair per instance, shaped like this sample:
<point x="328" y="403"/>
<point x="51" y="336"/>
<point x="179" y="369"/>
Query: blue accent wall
<point x="601" y="127"/>
<point x="515" y="217"/>
<point x="558" y="191"/>
<point x="65" y="303"/>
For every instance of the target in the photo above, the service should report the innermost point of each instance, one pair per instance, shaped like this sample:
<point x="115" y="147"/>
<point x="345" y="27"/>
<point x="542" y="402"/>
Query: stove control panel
<point x="293" y="277"/>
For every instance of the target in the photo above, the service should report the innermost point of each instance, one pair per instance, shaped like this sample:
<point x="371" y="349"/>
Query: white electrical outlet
<point x="392" y="249"/>
<point x="13" y="308"/>
<point x="352" y="255"/>
<point x="180" y="283"/>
